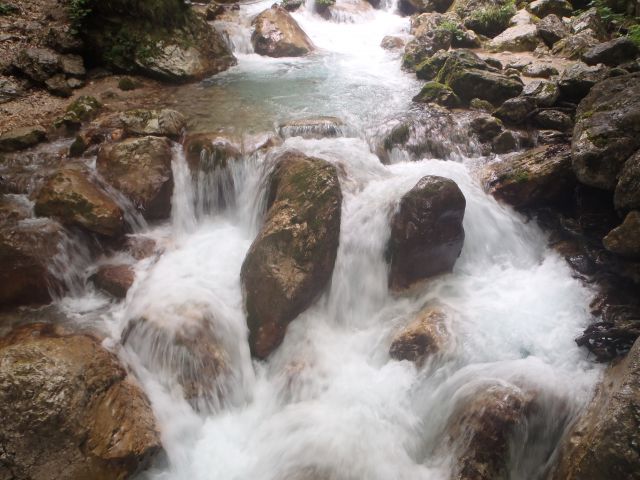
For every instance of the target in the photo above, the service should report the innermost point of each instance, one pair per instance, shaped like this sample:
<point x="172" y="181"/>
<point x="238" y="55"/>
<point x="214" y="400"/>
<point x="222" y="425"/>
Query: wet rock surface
<point x="277" y="34"/>
<point x="427" y="335"/>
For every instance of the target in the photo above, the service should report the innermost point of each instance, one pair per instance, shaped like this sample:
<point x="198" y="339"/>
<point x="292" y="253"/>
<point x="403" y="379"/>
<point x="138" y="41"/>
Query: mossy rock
<point x="434" y="92"/>
<point x="82" y="109"/>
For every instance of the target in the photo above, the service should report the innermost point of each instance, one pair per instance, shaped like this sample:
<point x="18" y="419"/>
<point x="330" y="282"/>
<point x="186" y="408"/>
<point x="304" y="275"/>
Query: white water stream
<point x="330" y="404"/>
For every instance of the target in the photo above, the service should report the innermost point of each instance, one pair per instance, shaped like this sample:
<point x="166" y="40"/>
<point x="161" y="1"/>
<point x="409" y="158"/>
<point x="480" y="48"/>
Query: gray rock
<point x="486" y="127"/>
<point x="39" y="64"/>
<point x="612" y="53"/>
<point x="434" y="92"/>
<point x="627" y="193"/>
<point x="164" y="122"/>
<point x="521" y="38"/>
<point x="539" y="70"/>
<point x="576" y="81"/>
<point x="411" y="7"/>
<point x="574" y="46"/>
<point x="420" y="49"/>
<point x="515" y="110"/>
<point x="9" y="90"/>
<point x="506" y="142"/>
<point x="553" y="120"/>
<point x="59" y="86"/>
<point x="73" y="65"/>
<point x="551" y="29"/>
<point x="545" y="93"/>
<point x="591" y="22"/>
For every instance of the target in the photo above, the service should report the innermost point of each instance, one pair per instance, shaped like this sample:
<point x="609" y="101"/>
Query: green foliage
<point x="633" y="32"/>
<point x="619" y="23"/>
<point x="7" y="9"/>
<point x="452" y="27"/>
<point x="491" y="20"/>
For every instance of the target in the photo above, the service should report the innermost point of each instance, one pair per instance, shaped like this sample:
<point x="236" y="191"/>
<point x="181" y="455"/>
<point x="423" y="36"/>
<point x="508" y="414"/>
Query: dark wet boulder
<point x="539" y="70"/>
<point x="115" y="279"/>
<point x="481" y="428"/>
<point x="429" y="68"/>
<point x="627" y="193"/>
<point x="291" y="5"/>
<point x="515" y="110"/>
<point x="426" y="232"/>
<point x="211" y="151"/>
<point x="181" y="344"/>
<point x="162" y="123"/>
<point x="607" y="131"/>
<point x="69" y="410"/>
<point x="434" y="92"/>
<point x="72" y="196"/>
<point x="535" y="178"/>
<point x="602" y="444"/>
<point x="426" y="336"/>
<point x="291" y="261"/>
<point x="141" y="169"/>
<point x="26" y="251"/>
<point x="505" y="142"/>
<point x="625" y="239"/>
<point x="612" y="53"/>
<point x="551" y="29"/>
<point x="543" y="92"/>
<point x="577" y="80"/>
<point x="551" y="119"/>
<point x="486" y="127"/>
<point x="543" y="8"/>
<point x="277" y="34"/>
<point x="22" y="138"/>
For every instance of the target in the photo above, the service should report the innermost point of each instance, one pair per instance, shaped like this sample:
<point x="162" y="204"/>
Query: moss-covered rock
<point x="82" y="109"/>
<point x="434" y="92"/>
<point x="420" y="49"/>
<point x="291" y="261"/>
<point x="71" y="196"/>
<point x="141" y="169"/>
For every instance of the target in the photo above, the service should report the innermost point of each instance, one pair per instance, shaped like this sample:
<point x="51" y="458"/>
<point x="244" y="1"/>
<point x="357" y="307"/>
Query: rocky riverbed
<point x="319" y="240"/>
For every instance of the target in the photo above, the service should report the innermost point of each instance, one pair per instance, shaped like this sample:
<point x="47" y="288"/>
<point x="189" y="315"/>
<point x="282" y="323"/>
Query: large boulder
<point x="421" y="48"/>
<point x="38" y="64"/>
<point x="544" y="93"/>
<point x="521" y="38"/>
<point x="516" y="110"/>
<point x="180" y="344"/>
<point x="73" y="197"/>
<point x="426" y="336"/>
<point x="291" y="261"/>
<point x="469" y="83"/>
<point x="69" y="410"/>
<point x="535" y="178"/>
<point x="627" y="193"/>
<point x="481" y="428"/>
<point x="115" y="279"/>
<point x="625" y="239"/>
<point x="551" y="29"/>
<point x="589" y="21"/>
<point x="602" y="444"/>
<point x="576" y="81"/>
<point x="613" y="52"/>
<point x="575" y="46"/>
<point x="277" y="34"/>
<point x="26" y="251"/>
<point x="434" y="92"/>
<point x="163" y="123"/>
<point x="141" y="169"/>
<point x="426" y="232"/>
<point x="607" y="131"/>
<point x="542" y="8"/>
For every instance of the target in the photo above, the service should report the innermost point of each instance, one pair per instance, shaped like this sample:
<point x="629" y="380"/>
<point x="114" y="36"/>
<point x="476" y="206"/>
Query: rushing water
<point x="330" y="403"/>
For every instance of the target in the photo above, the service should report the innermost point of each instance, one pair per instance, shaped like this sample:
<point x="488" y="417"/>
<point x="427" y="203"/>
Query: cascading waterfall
<point x="329" y="403"/>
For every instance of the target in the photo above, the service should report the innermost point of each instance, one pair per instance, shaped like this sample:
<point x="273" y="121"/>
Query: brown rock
<point x="625" y="239"/>
<point x="277" y="34"/>
<point x="211" y="151"/>
<point x="69" y="411"/>
<point x="141" y="169"/>
<point x="161" y="123"/>
<point x="538" y="177"/>
<point x="114" y="279"/>
<point x="291" y="261"/>
<point x="425" y="336"/>
<point x="426" y="232"/>
<point x="627" y="193"/>
<point x="71" y="196"/>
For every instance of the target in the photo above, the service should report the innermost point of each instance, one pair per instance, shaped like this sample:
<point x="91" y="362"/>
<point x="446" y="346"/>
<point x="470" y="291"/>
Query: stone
<point x="575" y="46"/>
<point x="277" y="34"/>
<point x="601" y="444"/>
<point x="481" y="105"/>
<point x="81" y="110"/>
<point x="607" y="131"/>
<point x="291" y="261"/>
<point x="535" y="178"/>
<point x="426" y="232"/>
<point x="544" y="93"/>
<point x="9" y="90"/>
<point x="516" y="110"/>
<point x="505" y="142"/>
<point x="180" y="343"/>
<point x="410" y="7"/>
<point x="69" y="409"/>
<point x="420" y="49"/>
<point x="429" y="68"/>
<point x="26" y="250"/>
<point x="289" y="5"/>
<point x="22" y="138"/>
<point x="163" y="122"/>
<point x="521" y="38"/>
<point x="59" y="86"/>
<point x="543" y="8"/>
<point x="141" y="169"/>
<point x="211" y="151"/>
<point x="553" y="120"/>
<point x="390" y="42"/>
<point x="551" y="29"/>
<point x="481" y="428"/>
<point x="591" y="22"/>
<point x="486" y="127"/>
<point x="522" y="17"/>
<point x="38" y="64"/>
<point x="426" y="336"/>
<point x="539" y="70"/>
<point x="312" y="127"/>
<point x="612" y="53"/>
<point x="71" y="196"/>
<point x="61" y="39"/>
<point x="627" y="192"/>
<point x="72" y="65"/>
<point x="116" y="280"/>
<point x="576" y="81"/>
<point x="625" y="239"/>
<point x="434" y="92"/>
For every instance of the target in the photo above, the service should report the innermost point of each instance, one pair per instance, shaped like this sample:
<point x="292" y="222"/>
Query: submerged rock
<point x="73" y="197"/>
<point x="69" y="411"/>
<point x="426" y="232"/>
<point x="612" y="53"/>
<point x="535" y="178"/>
<point x="607" y="131"/>
<point x="277" y="34"/>
<point x="141" y="169"/>
<point x="26" y="251"/>
<point x="427" y="335"/>
<point x="603" y="442"/>
<point x="291" y="261"/>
